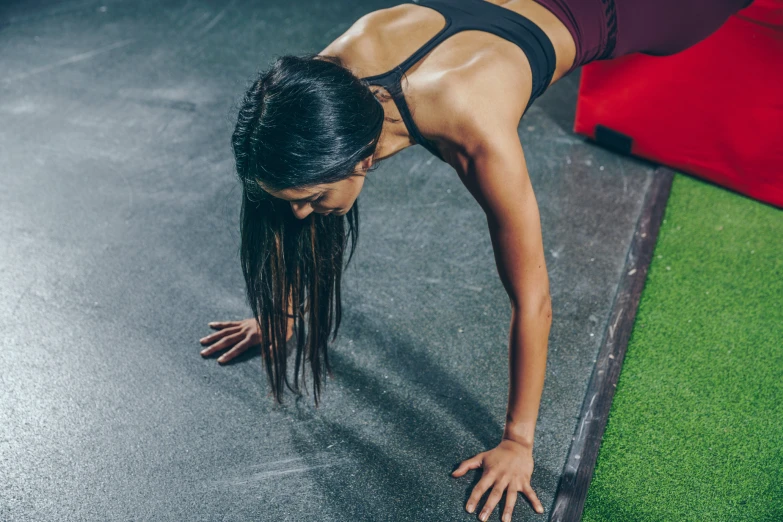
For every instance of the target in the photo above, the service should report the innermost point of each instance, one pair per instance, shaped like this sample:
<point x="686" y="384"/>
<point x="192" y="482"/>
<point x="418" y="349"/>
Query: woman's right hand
<point x="236" y="335"/>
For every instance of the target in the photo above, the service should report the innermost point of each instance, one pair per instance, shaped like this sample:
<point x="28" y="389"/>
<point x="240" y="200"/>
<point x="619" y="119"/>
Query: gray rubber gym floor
<point x="119" y="225"/>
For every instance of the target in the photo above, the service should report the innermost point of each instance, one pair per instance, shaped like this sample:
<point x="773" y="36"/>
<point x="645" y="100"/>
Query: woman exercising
<point x="311" y="127"/>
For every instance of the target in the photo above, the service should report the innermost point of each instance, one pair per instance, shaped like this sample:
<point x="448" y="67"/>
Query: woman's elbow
<point x="538" y="303"/>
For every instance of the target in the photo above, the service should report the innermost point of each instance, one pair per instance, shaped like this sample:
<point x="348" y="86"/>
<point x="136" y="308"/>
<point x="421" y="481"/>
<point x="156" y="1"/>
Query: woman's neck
<point x="394" y="137"/>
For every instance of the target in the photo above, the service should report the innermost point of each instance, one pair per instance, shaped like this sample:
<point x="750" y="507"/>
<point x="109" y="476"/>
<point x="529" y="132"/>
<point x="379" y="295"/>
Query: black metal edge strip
<point x="580" y="463"/>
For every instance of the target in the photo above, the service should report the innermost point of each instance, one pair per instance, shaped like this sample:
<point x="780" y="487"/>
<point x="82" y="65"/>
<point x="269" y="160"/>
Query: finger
<point x="222" y="344"/>
<point x="531" y="495"/>
<point x="493" y="499"/>
<point x="233" y="352"/>
<point x="478" y="491"/>
<point x="217" y="335"/>
<point x="217" y="325"/>
<point x="511" y="501"/>
<point x="465" y="465"/>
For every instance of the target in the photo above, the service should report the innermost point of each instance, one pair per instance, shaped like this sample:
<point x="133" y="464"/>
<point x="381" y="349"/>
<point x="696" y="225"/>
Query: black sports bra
<point x="463" y="15"/>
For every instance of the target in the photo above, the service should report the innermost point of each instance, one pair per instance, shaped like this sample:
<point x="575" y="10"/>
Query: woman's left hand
<point x="508" y="466"/>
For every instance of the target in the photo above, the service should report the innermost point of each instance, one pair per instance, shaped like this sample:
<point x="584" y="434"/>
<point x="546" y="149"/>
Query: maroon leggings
<point x="605" y="29"/>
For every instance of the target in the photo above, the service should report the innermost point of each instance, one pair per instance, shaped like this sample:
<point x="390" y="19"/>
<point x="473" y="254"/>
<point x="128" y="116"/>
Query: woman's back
<point x="381" y="40"/>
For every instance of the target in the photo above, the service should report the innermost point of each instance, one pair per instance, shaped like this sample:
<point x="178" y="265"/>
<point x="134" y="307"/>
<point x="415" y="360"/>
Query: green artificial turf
<point x="695" y="431"/>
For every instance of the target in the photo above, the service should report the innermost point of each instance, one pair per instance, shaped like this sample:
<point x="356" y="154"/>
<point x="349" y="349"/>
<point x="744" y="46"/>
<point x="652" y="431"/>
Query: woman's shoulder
<point x="462" y="110"/>
<point x="378" y="40"/>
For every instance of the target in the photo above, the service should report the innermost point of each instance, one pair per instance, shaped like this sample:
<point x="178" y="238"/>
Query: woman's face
<point x="327" y="198"/>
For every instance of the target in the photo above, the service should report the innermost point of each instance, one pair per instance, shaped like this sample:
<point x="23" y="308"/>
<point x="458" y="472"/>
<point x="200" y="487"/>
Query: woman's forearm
<point x="527" y="353"/>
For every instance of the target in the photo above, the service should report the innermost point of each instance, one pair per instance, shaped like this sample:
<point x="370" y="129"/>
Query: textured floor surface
<point x="695" y="429"/>
<point x="119" y="227"/>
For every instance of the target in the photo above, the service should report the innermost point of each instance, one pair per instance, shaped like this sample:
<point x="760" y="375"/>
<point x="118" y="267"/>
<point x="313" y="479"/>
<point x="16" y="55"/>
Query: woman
<point x="311" y="127"/>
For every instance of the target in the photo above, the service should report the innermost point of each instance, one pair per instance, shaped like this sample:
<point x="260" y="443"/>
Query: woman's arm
<point x="497" y="177"/>
<point x="502" y="186"/>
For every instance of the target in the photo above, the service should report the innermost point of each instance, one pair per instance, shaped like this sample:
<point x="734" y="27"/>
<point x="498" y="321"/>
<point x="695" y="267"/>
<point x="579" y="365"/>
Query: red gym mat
<point x="714" y="110"/>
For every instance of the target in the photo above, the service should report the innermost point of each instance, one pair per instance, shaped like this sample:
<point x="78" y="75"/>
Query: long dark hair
<point x="307" y="120"/>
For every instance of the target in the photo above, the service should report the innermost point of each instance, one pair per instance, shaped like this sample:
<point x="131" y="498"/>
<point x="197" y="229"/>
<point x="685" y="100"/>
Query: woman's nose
<point x="301" y="211"/>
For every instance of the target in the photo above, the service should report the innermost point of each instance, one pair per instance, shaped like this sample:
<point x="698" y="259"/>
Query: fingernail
<point x="483" y="517"/>
<point x="471" y="507"/>
<point x="222" y="360"/>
